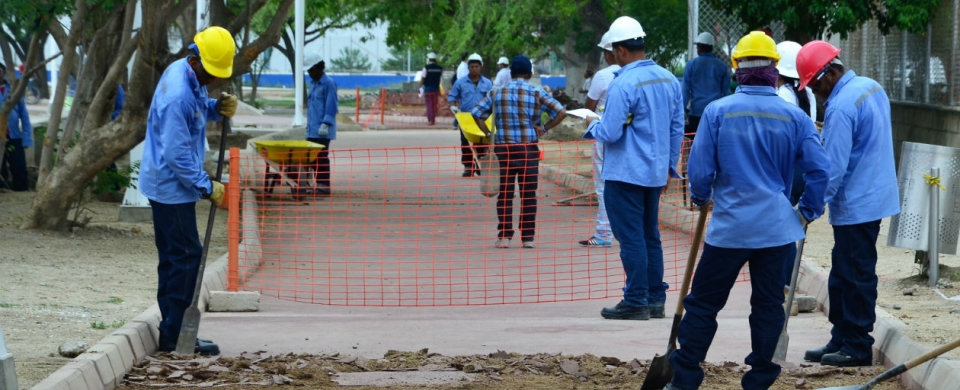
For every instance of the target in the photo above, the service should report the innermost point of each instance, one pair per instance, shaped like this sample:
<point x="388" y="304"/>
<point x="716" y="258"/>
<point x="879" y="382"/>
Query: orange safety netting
<point x="394" y="109"/>
<point x="403" y="228"/>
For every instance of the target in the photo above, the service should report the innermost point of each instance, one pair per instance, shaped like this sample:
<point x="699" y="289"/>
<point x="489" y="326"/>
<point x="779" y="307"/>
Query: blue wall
<point x="350" y="81"/>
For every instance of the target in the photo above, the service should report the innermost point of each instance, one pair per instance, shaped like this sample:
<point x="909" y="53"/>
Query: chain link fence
<point x="912" y="68"/>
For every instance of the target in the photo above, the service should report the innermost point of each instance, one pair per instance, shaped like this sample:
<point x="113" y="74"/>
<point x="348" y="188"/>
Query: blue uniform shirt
<point x="118" y="103"/>
<point x="322" y="107"/>
<point x="642" y="125"/>
<point x="18" y="125"/>
<point x="705" y="79"/>
<point x="746" y="148"/>
<point x="858" y="137"/>
<point x="171" y="171"/>
<point x="468" y="93"/>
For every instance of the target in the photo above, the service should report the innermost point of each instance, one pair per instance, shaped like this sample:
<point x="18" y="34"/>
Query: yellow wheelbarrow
<point x="288" y="162"/>
<point x="471" y="131"/>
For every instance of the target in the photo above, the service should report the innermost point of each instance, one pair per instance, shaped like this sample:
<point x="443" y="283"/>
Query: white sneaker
<point x="502" y="243"/>
<point x="529" y="245"/>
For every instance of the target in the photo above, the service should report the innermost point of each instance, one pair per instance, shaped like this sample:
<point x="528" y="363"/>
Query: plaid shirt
<point x="519" y="105"/>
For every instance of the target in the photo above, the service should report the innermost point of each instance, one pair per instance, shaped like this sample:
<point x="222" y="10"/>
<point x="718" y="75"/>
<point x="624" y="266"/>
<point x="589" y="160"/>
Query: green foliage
<point x="111" y="181"/>
<point x="811" y="18"/>
<point x="350" y="59"/>
<point x="100" y="325"/>
<point x="398" y="60"/>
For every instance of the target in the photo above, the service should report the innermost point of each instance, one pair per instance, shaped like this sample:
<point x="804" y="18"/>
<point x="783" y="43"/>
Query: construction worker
<point x="519" y="108"/>
<point x="641" y="131"/>
<point x="596" y="98"/>
<point x="19" y="135"/>
<point x="322" y="107"/>
<point x="857" y="134"/>
<point x="743" y="158"/>
<point x="430" y="83"/>
<point x="463" y="96"/>
<point x="787" y="88"/>
<point x="503" y="75"/>
<point x="172" y="175"/>
<point x="705" y="79"/>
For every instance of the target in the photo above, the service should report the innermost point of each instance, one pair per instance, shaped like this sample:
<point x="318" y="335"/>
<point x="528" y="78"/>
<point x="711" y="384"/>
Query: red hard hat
<point x="812" y="58"/>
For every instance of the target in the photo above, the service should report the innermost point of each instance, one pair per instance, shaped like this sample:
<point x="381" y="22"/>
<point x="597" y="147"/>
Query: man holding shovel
<point x="743" y="157"/>
<point x="172" y="175"/>
<point x="858" y="137"/>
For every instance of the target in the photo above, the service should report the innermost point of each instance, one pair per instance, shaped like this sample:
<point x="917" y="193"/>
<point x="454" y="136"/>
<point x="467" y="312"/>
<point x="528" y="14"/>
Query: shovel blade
<point x="781" y="352"/>
<point x="188" y="331"/>
<point x="660" y="372"/>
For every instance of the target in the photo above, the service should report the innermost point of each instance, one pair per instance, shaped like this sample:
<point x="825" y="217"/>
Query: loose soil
<point x="58" y="287"/>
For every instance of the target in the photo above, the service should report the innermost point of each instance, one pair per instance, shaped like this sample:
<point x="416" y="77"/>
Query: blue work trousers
<point x="714" y="278"/>
<point x="634" y="221"/>
<point x="852" y="288"/>
<point x="179" y="249"/>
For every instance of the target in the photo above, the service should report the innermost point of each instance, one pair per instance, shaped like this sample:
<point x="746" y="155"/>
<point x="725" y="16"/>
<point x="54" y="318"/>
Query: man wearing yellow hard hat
<point x="743" y="157"/>
<point x="172" y="175"/>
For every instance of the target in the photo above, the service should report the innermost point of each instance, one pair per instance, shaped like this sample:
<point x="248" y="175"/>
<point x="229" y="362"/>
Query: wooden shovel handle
<point x="692" y="259"/>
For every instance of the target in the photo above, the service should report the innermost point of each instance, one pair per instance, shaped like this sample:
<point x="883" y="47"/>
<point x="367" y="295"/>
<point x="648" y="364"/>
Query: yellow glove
<point x="227" y="105"/>
<point x="217" y="195"/>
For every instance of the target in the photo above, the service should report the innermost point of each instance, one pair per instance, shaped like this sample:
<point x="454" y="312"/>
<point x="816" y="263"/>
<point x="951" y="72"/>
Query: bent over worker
<point x="743" y="157"/>
<point x="858" y="136"/>
<point x="172" y="175"/>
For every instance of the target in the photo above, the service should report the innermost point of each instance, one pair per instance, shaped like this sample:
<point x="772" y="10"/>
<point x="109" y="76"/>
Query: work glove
<point x="324" y="130"/>
<point x="216" y="192"/>
<point x="454" y="109"/>
<point x="698" y="201"/>
<point x="803" y="220"/>
<point x="227" y="104"/>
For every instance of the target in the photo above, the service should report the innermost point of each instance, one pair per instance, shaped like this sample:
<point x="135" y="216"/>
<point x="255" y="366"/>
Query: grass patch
<point x="118" y="324"/>
<point x="98" y="325"/>
<point x="117" y="300"/>
<point x="4" y="305"/>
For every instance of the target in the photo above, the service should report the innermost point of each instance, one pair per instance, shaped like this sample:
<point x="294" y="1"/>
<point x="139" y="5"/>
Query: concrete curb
<point x="891" y="346"/>
<point x="106" y="362"/>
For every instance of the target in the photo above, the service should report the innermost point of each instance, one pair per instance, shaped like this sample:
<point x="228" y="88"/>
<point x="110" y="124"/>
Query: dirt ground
<point x="78" y="286"/>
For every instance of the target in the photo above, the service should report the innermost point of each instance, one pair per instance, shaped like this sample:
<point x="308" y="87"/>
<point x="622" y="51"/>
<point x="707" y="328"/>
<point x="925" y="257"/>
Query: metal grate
<point x="910" y="229"/>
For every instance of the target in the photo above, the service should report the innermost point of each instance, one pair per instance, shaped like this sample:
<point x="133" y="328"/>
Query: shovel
<point x="661" y="372"/>
<point x="900" y="369"/>
<point x="191" y="317"/>
<point x="781" y="352"/>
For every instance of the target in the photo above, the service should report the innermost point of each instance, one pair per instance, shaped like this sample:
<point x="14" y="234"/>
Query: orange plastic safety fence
<point x="403" y="227"/>
<point x="394" y="109"/>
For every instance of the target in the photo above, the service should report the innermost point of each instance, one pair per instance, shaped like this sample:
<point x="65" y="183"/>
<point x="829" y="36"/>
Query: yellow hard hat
<point x="755" y="44"/>
<point x="217" y="49"/>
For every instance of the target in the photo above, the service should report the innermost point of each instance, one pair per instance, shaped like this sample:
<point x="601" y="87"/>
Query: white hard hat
<point x="475" y="57"/>
<point x="503" y="61"/>
<point x="625" y="28"/>
<point x="788" y="59"/>
<point x="310" y="60"/>
<point x="431" y="56"/>
<point x="705" y="38"/>
<point x="605" y="42"/>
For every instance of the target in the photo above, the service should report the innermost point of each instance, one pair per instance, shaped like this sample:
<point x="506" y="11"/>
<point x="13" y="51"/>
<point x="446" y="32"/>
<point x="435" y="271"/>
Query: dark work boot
<point x="657" y="310"/>
<point x="623" y="311"/>
<point x="841" y="359"/>
<point x="815" y="355"/>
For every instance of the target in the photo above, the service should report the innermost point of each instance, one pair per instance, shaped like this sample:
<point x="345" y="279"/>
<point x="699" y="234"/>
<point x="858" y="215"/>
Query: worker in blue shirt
<point x="118" y="103"/>
<point x="19" y="135"/>
<point x="322" y="107"/>
<point x="858" y="137"/>
<point x="172" y="175"/>
<point x="463" y="96"/>
<point x="519" y="107"/>
<point x="641" y="131"/>
<point x="743" y="157"/>
<point x="705" y="79"/>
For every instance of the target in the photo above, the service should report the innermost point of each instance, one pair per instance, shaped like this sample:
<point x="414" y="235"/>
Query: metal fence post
<point x="357" y="114"/>
<point x="903" y="65"/>
<point x="8" y="373"/>
<point x="955" y="56"/>
<point x="927" y="66"/>
<point x="934" y="239"/>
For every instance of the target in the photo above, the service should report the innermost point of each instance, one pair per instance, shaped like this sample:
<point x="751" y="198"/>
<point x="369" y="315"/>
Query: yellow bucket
<point x="288" y="151"/>
<point x="470" y="129"/>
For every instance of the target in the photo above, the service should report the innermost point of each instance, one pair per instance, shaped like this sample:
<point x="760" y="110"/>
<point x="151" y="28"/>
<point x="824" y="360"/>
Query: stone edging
<point x="891" y="346"/>
<point x="106" y="362"/>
